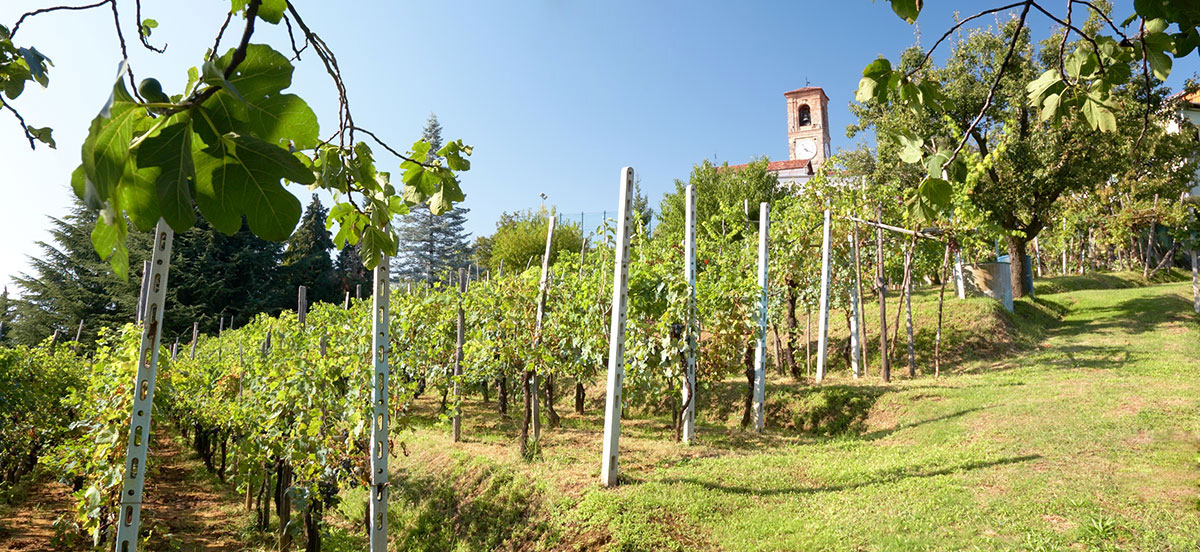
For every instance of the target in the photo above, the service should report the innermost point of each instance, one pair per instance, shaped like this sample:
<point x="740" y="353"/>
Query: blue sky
<point x="556" y="96"/>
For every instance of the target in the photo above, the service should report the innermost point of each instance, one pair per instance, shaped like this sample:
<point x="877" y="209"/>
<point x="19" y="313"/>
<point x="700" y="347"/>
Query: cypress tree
<point x="68" y="283"/>
<point x="432" y="248"/>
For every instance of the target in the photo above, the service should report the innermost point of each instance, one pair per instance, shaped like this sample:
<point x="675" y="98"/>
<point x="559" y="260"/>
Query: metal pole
<point x="458" y="354"/>
<point x="823" y="317"/>
<point x="616" y="338"/>
<point x="130" y="515"/>
<point x="855" y="345"/>
<point x="760" y="349"/>
<point x="379" y="427"/>
<point x="79" y="331"/>
<point x="689" y="274"/>
<point x="1195" y="269"/>
<point x="141" y="304"/>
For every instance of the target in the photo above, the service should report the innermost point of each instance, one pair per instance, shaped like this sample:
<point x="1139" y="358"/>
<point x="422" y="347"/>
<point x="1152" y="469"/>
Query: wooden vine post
<point x="823" y="317"/>
<point x="458" y="354"/>
<point x="195" y="336"/>
<point x="856" y="355"/>
<point x="301" y="304"/>
<point x="885" y="367"/>
<point x="689" y="274"/>
<point x="379" y="428"/>
<point x="760" y="349"/>
<point x="543" y="289"/>
<point x="616" y="337"/>
<point x="133" y="478"/>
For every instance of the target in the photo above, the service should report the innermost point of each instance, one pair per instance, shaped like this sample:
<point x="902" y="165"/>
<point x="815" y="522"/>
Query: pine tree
<point x="7" y="312"/>
<point x="431" y="247"/>
<point x="306" y="259"/>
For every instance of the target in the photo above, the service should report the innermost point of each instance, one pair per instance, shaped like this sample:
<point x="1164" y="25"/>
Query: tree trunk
<point x="483" y="387"/>
<point x="283" y="504"/>
<point x="312" y="526"/>
<point x="1016" y="259"/>
<point x="789" y="334"/>
<point x="550" y="413"/>
<point x="749" y="402"/>
<point x="502" y="396"/>
<point x="528" y="412"/>
<point x="579" y="397"/>
<point x="224" y="457"/>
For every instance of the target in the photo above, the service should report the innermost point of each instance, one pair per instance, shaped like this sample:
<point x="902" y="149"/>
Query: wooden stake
<point x="885" y="369"/>
<point x="616" y="339"/>
<point x="543" y="290"/>
<point x="195" y="336"/>
<point x="301" y="304"/>
<point x="458" y="356"/>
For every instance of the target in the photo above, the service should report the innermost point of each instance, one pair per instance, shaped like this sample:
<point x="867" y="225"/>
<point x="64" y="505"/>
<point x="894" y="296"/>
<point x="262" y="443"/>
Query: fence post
<point x="1195" y="268"/>
<point x="823" y="317"/>
<point x="856" y="355"/>
<point x="301" y="304"/>
<point x="458" y="355"/>
<point x="760" y="349"/>
<point x="689" y="274"/>
<point x="130" y="515"/>
<point x="616" y="337"/>
<point x="141" y="304"/>
<point x="885" y="364"/>
<point x="379" y="425"/>
<point x="195" y="336"/>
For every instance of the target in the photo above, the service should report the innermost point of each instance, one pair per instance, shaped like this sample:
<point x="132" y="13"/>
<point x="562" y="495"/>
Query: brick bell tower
<point x="808" y="125"/>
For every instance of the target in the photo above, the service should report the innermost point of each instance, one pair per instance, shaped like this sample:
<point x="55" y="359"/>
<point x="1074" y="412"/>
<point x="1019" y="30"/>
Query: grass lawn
<point x="1073" y="425"/>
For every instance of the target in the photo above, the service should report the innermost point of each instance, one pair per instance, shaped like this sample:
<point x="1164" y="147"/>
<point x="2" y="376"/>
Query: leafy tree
<point x="520" y="240"/>
<point x="7" y="312"/>
<point x="717" y="187"/>
<point x="431" y="248"/>
<point x="306" y="259"/>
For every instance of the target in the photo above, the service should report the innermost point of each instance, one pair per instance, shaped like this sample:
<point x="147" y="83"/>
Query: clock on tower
<point x="808" y="125"/>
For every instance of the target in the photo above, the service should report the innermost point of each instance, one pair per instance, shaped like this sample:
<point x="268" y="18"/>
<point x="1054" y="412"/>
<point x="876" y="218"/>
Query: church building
<point x="808" y="136"/>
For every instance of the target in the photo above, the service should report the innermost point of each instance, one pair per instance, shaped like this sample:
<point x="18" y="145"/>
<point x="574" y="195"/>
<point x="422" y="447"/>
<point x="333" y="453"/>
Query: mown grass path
<point x="1087" y="442"/>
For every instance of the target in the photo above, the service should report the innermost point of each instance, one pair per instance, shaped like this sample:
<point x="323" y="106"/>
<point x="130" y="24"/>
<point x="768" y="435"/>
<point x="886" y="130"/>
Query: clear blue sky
<point x="556" y="96"/>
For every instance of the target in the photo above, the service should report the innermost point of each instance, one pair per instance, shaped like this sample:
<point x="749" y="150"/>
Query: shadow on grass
<point x="1136" y="315"/>
<point x="881" y="478"/>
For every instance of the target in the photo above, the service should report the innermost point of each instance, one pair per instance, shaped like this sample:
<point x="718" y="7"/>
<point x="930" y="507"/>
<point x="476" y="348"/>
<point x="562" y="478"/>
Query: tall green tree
<point x="69" y="282"/>
<point x="718" y="186"/>
<point x="306" y="260"/>
<point x="431" y="247"/>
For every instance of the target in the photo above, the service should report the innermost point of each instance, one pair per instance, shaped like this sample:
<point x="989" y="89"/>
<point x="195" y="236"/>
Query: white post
<point x="855" y="346"/>
<point x="141" y="304"/>
<point x="616" y="338"/>
<point x="760" y="349"/>
<point x="1037" y="259"/>
<point x="689" y="274"/>
<point x="1195" y="270"/>
<point x="543" y="288"/>
<point x="379" y="425"/>
<point x="130" y="515"/>
<point x="823" y="320"/>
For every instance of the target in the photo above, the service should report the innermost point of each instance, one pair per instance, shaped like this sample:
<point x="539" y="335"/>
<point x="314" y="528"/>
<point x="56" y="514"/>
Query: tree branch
<point x="1068" y="28"/>
<point x="212" y="53"/>
<point x="24" y="127"/>
<point x="239" y="54"/>
<point x="292" y="39"/>
<point x="949" y="32"/>
<point x="142" y="35"/>
<point x="51" y="9"/>
<point x="124" y="50"/>
<point x="1012" y="48"/>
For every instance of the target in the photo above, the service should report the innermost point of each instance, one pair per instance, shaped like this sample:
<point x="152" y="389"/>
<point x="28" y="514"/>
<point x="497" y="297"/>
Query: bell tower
<point x="808" y="125"/>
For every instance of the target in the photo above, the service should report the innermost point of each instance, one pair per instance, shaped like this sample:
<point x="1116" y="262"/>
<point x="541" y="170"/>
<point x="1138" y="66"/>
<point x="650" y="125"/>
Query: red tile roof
<point x="776" y="165"/>
<point x="806" y="89"/>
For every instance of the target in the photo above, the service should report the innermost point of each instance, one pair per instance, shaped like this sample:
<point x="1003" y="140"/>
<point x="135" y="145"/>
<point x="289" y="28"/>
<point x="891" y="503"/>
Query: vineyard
<point x="975" y="329"/>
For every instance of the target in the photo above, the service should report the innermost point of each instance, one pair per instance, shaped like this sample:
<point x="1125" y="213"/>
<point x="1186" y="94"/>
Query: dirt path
<point x="183" y="510"/>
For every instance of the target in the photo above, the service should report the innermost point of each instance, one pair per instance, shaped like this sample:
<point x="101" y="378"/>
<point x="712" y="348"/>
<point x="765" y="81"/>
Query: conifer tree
<point x="432" y="248"/>
<point x="306" y="259"/>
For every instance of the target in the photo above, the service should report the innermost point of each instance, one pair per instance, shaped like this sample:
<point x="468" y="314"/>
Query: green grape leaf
<point x="240" y="175"/>
<point x="166" y="160"/>
<point x="256" y="105"/>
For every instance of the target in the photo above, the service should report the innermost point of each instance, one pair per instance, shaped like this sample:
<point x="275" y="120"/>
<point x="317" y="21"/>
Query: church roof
<point x="776" y="166"/>
<point x="807" y="89"/>
<point x="1192" y="98"/>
